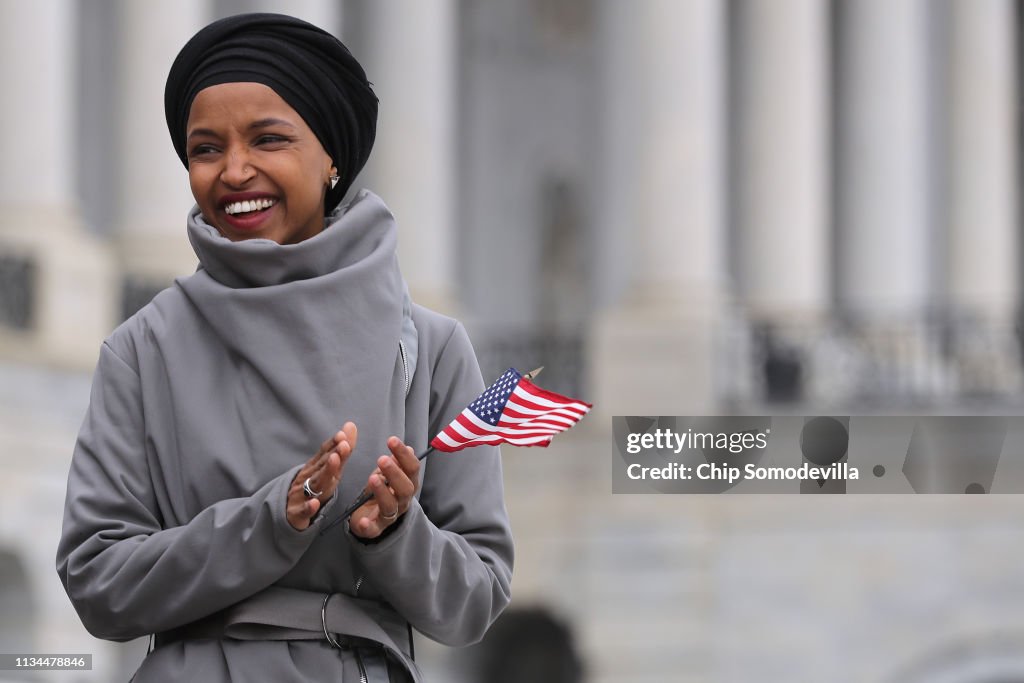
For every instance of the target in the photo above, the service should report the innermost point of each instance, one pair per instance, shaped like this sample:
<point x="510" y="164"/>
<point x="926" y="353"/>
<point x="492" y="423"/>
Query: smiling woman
<point x="255" y="167"/>
<point x="290" y="370"/>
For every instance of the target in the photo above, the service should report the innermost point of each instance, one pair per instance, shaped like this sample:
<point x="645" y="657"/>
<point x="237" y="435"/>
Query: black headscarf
<point x="307" y="67"/>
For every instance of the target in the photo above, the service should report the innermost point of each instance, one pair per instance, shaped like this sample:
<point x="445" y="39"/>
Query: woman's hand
<point x="324" y="472"/>
<point x="393" y="485"/>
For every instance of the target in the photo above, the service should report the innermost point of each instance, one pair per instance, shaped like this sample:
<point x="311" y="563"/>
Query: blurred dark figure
<point x="527" y="646"/>
<point x="781" y="365"/>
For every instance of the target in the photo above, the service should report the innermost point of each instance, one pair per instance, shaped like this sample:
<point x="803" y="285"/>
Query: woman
<point x="194" y="510"/>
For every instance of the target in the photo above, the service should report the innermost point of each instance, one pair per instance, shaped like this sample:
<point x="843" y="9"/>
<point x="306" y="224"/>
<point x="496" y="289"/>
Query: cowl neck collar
<point x="309" y="318"/>
<point x="355" y="235"/>
<point x="301" y="338"/>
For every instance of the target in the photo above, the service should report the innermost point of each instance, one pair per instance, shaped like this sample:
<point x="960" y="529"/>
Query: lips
<point x="247" y="211"/>
<point x="247" y="206"/>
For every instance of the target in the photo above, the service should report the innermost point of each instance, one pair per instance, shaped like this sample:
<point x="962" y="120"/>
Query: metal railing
<point x="935" y="361"/>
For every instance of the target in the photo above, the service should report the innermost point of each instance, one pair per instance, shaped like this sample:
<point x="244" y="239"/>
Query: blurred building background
<point x="678" y="207"/>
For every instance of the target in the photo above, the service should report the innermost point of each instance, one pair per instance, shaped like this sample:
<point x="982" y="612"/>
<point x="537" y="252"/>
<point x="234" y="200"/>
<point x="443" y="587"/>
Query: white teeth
<point x="249" y="205"/>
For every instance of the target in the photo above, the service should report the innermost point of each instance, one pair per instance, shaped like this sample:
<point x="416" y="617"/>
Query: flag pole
<point x="364" y="497"/>
<point x="367" y="495"/>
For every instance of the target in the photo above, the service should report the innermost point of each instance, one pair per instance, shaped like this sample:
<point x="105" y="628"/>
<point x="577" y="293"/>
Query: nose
<point x="237" y="170"/>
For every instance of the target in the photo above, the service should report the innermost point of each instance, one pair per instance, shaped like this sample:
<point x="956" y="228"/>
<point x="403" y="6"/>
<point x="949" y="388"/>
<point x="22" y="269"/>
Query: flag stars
<point x="490" y="404"/>
<point x="489" y="407"/>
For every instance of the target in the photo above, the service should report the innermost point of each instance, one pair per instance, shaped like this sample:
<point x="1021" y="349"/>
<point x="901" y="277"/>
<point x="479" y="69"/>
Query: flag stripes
<point x="512" y="410"/>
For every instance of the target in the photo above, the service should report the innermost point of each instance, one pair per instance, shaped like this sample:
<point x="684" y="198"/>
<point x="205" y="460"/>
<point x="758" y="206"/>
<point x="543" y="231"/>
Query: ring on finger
<point x="308" y="490"/>
<point x="392" y="517"/>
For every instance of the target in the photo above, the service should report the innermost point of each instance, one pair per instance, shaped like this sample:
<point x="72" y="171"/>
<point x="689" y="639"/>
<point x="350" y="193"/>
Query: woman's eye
<point x="271" y="140"/>
<point x="200" y="150"/>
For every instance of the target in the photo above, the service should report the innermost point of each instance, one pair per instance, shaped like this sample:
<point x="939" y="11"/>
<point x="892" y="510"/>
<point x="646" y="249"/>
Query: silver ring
<point x="308" y="490"/>
<point x="392" y="517"/>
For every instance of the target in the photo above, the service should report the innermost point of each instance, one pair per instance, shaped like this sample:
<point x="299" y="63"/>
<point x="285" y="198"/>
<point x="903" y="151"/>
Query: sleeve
<point x="125" y="574"/>
<point x="447" y="568"/>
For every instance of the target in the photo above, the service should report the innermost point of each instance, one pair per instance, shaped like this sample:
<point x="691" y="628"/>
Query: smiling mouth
<point x="248" y="207"/>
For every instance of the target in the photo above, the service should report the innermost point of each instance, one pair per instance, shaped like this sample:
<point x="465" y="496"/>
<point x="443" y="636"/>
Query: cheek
<point x="307" y="183"/>
<point x="200" y="179"/>
<point x="196" y="184"/>
<point x="318" y="168"/>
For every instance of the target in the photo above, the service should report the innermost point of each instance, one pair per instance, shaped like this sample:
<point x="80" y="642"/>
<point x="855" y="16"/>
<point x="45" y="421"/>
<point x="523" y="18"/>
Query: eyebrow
<point x="255" y="125"/>
<point x="268" y="122"/>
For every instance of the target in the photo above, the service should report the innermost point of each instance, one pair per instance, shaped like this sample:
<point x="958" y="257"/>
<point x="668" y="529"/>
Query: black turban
<point x="307" y="67"/>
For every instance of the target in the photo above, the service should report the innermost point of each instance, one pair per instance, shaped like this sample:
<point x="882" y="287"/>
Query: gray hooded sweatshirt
<point x="204" y="406"/>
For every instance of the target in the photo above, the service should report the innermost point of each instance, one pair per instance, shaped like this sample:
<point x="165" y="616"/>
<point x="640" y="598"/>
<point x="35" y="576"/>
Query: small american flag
<point x="512" y="410"/>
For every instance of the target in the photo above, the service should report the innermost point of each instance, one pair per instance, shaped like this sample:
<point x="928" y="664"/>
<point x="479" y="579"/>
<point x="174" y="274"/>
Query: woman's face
<point x="255" y="167"/>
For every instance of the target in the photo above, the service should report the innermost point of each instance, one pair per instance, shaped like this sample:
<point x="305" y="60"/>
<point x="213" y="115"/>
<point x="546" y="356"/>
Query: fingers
<point x="351" y="433"/>
<point x="393" y="485"/>
<point x="347" y="433"/>
<point x="395" y="481"/>
<point x="401" y="470"/>
<point x="324" y="480"/>
<point x="328" y="445"/>
<point x="405" y="457"/>
<point x="325" y="473"/>
<point x="322" y="472"/>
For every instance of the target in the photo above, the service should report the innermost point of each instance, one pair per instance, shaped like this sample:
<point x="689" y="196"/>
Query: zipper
<point x="359" y="583"/>
<point x="359" y="663"/>
<point x="405" y="365"/>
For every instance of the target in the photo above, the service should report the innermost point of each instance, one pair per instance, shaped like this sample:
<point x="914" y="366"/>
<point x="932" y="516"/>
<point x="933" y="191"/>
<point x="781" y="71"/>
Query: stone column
<point x="664" y="83"/>
<point x="981" y="201"/>
<point x="887" y="244"/>
<point x="781" y="177"/>
<point x="153" y="190"/>
<point x="56" y="280"/>
<point x="883" y="136"/>
<point x="410" y="58"/>
<point x="782" y="174"/>
<point x="982" y="188"/>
